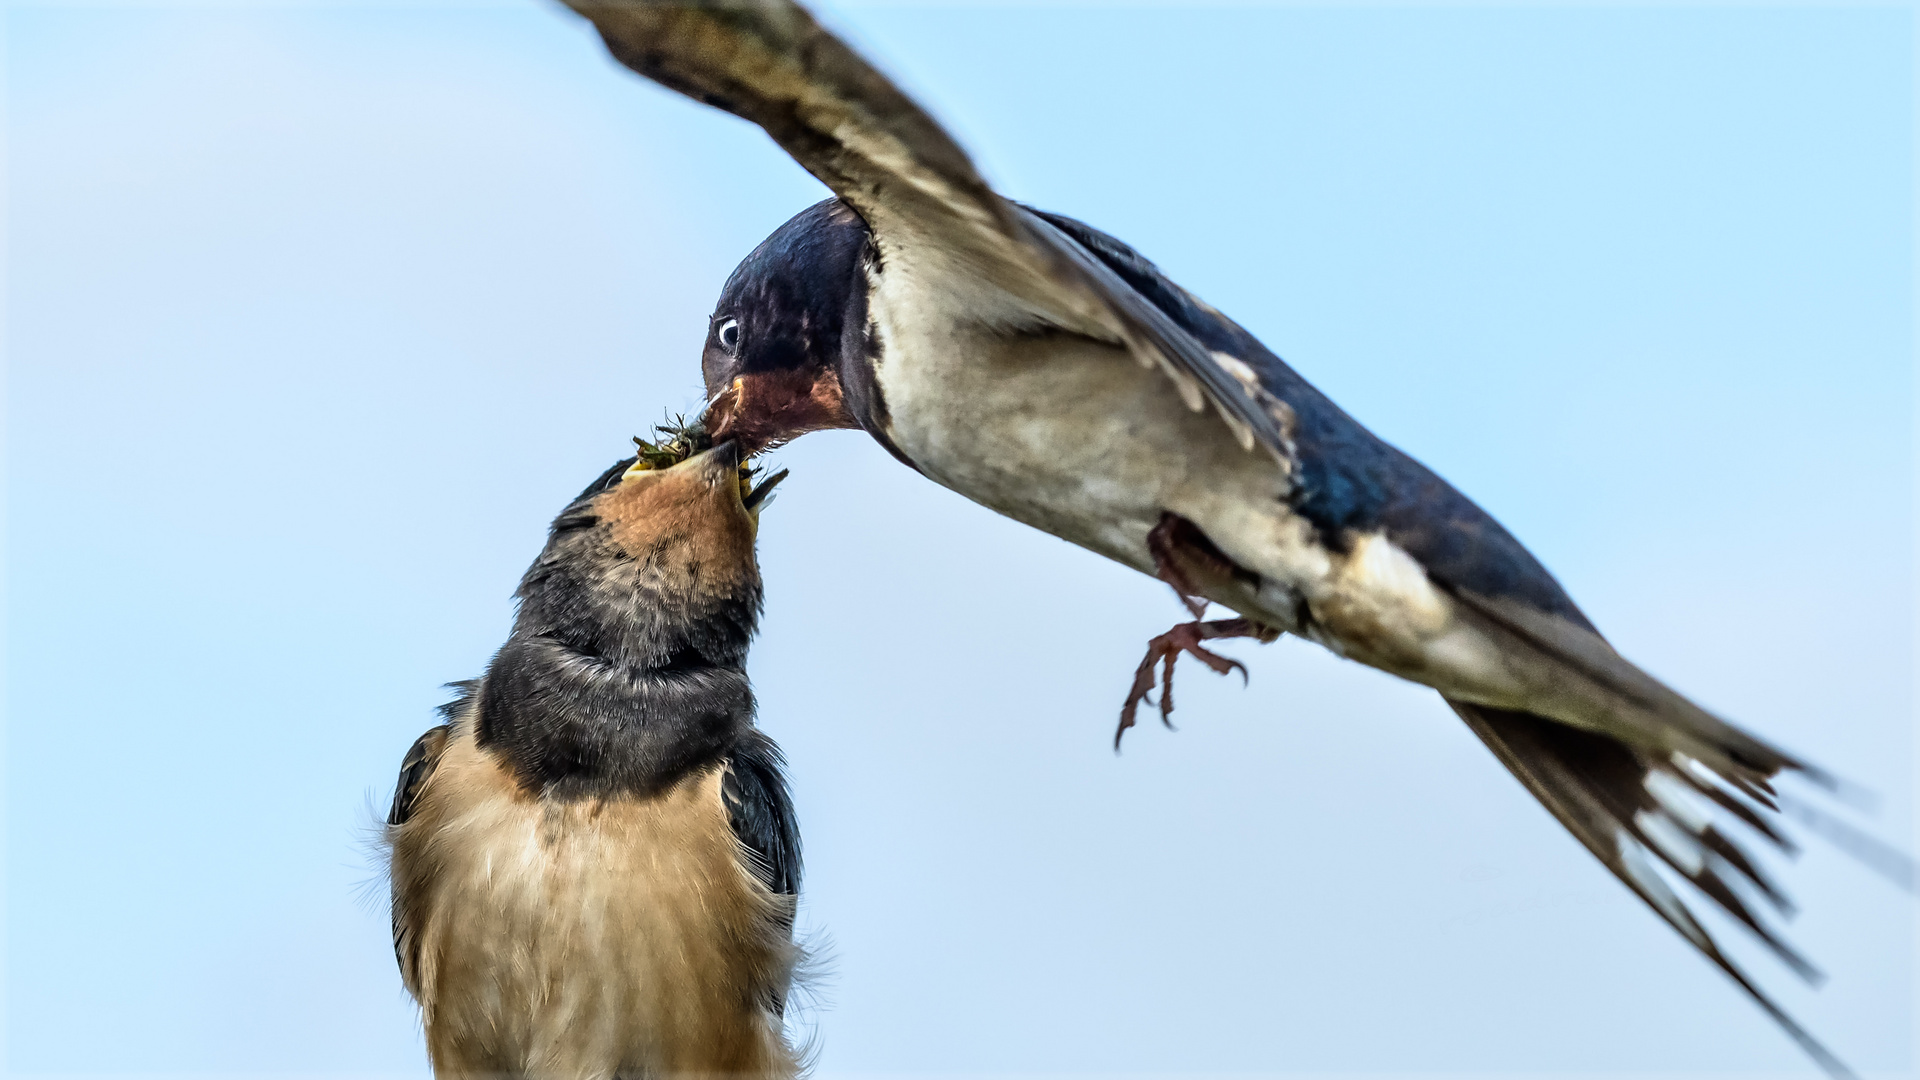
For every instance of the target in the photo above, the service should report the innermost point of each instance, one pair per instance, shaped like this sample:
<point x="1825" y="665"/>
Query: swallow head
<point x="649" y="559"/>
<point x="789" y="320"/>
<point x="692" y="513"/>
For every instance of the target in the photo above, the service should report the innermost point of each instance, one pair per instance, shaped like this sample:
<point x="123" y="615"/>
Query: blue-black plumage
<point x="1049" y="372"/>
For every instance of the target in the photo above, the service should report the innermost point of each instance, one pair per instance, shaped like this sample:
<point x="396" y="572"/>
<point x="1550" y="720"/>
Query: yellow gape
<point x="677" y="440"/>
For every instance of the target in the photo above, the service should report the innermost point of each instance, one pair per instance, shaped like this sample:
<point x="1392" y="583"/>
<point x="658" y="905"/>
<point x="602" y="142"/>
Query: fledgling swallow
<point x="1048" y="371"/>
<point x="595" y="860"/>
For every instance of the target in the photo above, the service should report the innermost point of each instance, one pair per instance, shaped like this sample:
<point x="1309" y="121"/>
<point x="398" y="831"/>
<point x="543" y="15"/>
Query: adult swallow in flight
<point x="595" y="860"/>
<point x="1046" y="370"/>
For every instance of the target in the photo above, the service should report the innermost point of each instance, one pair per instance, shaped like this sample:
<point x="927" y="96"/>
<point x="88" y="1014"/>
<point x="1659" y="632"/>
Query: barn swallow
<point x="1048" y="371"/>
<point x="595" y="860"/>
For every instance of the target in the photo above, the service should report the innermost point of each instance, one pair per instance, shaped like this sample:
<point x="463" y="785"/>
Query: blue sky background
<point x="317" y="314"/>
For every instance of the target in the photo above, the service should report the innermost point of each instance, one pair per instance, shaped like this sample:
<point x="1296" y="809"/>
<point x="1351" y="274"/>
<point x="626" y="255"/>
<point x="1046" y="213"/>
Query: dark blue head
<point x="791" y="319"/>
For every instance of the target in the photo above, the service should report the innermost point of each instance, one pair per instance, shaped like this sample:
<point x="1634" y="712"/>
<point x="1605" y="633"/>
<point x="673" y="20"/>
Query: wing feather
<point x="760" y="810"/>
<point x="415" y="770"/>
<point x="770" y="62"/>
<point x="1251" y="412"/>
<point x="773" y="64"/>
<point x="422" y="758"/>
<point x="1611" y="797"/>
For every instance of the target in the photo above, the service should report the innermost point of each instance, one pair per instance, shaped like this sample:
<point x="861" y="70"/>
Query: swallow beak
<point x="712" y="465"/>
<point x="722" y="463"/>
<point x="761" y="495"/>
<point x="722" y="403"/>
<point x="763" y="410"/>
<point x="717" y="467"/>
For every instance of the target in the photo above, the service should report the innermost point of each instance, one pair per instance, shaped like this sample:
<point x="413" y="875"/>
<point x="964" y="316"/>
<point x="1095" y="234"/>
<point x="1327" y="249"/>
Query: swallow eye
<point x="728" y="335"/>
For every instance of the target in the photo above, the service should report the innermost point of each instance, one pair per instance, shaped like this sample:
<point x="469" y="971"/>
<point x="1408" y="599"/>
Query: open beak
<point x="757" y="499"/>
<point x="726" y="459"/>
<point x="722" y="464"/>
<point x="718" y="465"/>
<point x="714" y="464"/>
<point x="724" y="455"/>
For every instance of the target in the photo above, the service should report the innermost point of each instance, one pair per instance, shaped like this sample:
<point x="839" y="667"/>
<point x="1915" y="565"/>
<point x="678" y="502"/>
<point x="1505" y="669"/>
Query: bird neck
<point x="635" y="621"/>
<point x="591" y="698"/>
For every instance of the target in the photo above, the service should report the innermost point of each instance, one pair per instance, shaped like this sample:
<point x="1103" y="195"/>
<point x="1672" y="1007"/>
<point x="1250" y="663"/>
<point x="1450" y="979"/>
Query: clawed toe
<point x="1164" y="650"/>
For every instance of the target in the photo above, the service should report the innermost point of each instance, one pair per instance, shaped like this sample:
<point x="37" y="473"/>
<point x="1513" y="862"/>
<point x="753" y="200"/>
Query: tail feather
<point x="1596" y="688"/>
<point x="1625" y="804"/>
<point x="1701" y="781"/>
<point x="1889" y="862"/>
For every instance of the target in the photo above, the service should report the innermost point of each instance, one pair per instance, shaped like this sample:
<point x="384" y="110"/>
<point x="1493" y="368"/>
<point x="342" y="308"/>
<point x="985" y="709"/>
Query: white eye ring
<point x="728" y="335"/>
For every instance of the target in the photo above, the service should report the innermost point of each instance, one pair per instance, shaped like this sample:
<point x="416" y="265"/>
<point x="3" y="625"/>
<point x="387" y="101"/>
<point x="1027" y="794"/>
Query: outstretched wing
<point x="770" y="62"/>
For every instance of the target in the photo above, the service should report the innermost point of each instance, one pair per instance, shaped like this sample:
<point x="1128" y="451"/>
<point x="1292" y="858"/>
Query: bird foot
<point x="1163" y="650"/>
